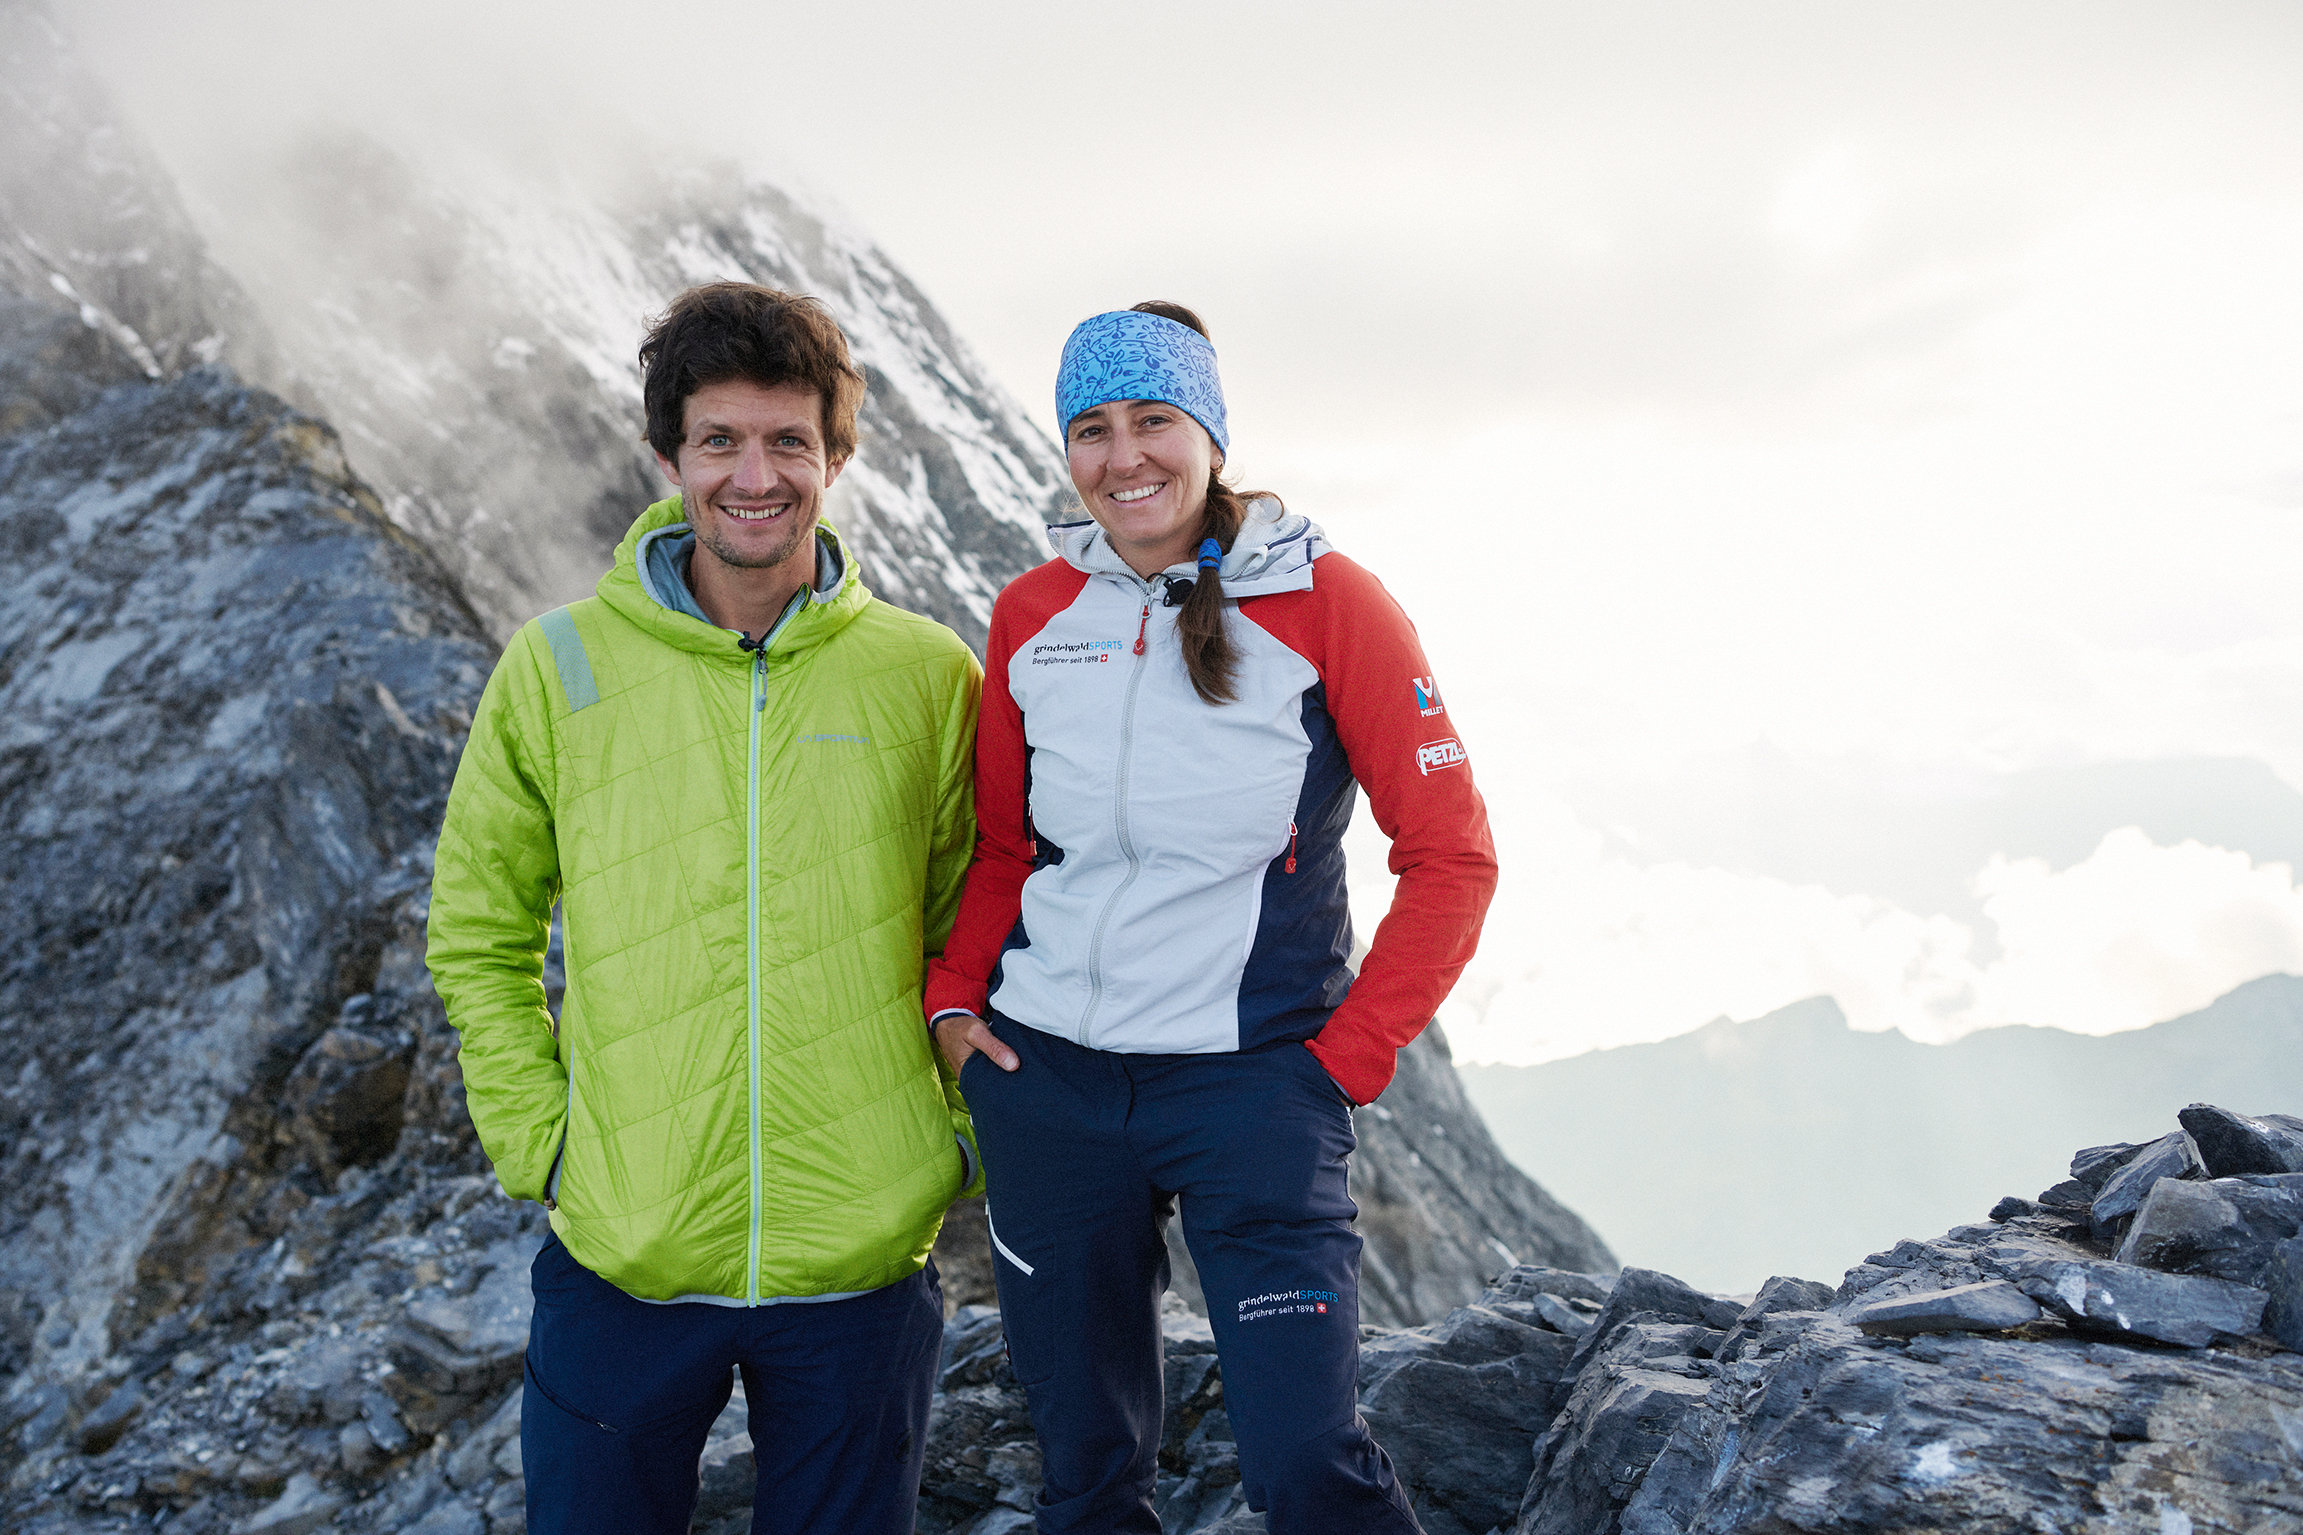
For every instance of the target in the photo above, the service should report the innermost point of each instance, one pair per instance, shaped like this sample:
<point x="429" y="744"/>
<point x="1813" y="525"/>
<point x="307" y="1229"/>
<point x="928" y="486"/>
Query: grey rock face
<point x="2122" y="1193"/>
<point x="1991" y="1306"/>
<point x="1627" y="1402"/>
<point x="2142" y="1303"/>
<point x="2092" y="1166"/>
<point x="53" y="364"/>
<point x="1645" y="1294"/>
<point x="2283" y="1287"/>
<point x="214" y="801"/>
<point x="2233" y="1145"/>
<point x="1459" y="1403"/>
<point x="1780" y="1293"/>
<point x="1839" y="1431"/>
<point x="2137" y="1398"/>
<point x="2225" y="1228"/>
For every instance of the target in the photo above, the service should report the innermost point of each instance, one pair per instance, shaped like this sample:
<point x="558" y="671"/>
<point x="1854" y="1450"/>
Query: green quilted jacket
<point x="753" y="855"/>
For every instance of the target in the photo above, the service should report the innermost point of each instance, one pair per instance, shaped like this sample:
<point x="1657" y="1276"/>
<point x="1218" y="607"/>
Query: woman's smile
<point x="1142" y="468"/>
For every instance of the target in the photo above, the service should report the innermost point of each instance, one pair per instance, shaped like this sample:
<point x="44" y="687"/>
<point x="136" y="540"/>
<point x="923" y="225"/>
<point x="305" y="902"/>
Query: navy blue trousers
<point x="620" y="1395"/>
<point x="1086" y="1152"/>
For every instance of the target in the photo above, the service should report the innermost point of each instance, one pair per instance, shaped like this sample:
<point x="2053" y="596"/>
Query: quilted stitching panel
<point x="856" y="1141"/>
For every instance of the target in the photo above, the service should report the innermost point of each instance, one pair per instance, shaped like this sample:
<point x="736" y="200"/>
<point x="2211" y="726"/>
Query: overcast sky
<point x="1800" y="431"/>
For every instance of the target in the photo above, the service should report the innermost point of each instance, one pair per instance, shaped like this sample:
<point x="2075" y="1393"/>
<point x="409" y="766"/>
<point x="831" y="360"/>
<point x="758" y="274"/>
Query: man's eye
<point x="717" y="440"/>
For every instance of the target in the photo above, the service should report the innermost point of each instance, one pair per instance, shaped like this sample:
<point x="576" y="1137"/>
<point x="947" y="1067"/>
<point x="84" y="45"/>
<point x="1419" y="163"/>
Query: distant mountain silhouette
<point x="1793" y="1143"/>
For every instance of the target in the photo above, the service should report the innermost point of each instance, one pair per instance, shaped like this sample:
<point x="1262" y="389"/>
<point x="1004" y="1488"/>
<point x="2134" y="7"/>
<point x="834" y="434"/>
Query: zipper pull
<point x="1143" y="624"/>
<point x="760" y="675"/>
<point x="1290" y="869"/>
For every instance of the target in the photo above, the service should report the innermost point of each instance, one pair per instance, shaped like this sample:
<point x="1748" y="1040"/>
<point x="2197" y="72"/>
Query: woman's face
<point x="1141" y="468"/>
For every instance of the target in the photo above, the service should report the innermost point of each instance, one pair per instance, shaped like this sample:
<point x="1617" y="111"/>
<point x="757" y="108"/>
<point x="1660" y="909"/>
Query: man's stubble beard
<point x="707" y="534"/>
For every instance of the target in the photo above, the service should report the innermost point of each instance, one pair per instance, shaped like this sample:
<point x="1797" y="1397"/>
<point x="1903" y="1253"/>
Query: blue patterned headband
<point x="1130" y="355"/>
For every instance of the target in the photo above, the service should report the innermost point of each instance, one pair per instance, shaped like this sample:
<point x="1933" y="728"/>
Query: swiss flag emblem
<point x="1323" y="1306"/>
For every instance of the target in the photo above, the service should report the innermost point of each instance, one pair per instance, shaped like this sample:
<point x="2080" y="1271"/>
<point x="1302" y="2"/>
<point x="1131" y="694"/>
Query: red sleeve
<point x="994" y="895"/>
<point x="1406" y="756"/>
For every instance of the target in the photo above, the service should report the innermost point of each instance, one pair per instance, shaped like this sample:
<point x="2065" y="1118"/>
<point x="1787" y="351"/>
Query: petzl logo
<point x="1431" y="756"/>
<point x="1427" y="696"/>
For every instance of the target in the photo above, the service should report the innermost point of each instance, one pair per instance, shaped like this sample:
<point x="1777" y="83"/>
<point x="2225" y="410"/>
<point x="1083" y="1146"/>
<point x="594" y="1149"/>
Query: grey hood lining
<point x="662" y="560"/>
<point x="1273" y="553"/>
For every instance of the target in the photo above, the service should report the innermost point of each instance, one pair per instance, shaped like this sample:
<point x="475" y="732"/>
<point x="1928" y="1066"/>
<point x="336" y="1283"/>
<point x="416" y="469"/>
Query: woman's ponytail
<point x="1207" y="652"/>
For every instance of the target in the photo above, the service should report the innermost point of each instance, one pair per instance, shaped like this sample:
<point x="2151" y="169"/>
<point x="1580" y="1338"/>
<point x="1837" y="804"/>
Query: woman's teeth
<point x="1141" y="491"/>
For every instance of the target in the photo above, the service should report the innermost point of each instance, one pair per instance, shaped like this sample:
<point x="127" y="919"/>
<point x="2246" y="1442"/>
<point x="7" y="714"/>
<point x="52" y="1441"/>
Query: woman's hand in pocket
<point x="960" y="1035"/>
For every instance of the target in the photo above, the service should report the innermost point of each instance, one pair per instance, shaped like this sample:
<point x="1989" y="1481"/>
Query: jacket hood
<point x="1273" y="552"/>
<point x="649" y="585"/>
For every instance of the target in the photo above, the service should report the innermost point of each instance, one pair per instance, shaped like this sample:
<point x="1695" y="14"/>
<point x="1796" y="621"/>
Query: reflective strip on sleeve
<point x="559" y="628"/>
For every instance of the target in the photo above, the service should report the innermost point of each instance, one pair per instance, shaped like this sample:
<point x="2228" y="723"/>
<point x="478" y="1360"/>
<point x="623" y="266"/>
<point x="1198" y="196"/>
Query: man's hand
<point x="960" y="1035"/>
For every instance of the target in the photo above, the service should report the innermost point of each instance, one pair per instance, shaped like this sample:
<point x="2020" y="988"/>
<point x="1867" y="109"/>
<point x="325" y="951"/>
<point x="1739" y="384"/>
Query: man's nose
<point x="752" y="471"/>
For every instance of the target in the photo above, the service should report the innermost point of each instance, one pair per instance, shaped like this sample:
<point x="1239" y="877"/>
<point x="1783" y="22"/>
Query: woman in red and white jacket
<point x="1147" y="992"/>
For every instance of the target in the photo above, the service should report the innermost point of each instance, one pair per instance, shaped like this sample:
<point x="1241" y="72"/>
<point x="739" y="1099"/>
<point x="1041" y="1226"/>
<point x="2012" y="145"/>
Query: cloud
<point x="1597" y="950"/>
<point x="2135" y="934"/>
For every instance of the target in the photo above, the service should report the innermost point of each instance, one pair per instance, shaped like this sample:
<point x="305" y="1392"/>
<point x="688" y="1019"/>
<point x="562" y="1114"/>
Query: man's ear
<point x="671" y="470"/>
<point x="832" y="471"/>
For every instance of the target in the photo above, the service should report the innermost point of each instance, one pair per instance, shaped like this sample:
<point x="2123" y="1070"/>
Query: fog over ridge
<point x="1906" y="395"/>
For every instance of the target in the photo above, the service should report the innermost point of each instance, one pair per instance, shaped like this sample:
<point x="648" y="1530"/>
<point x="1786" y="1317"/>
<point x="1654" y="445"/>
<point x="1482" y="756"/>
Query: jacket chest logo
<point x="808" y="737"/>
<point x="1075" y="652"/>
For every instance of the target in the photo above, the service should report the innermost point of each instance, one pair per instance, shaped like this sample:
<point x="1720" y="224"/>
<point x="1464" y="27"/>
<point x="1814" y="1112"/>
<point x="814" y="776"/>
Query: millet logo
<point x="827" y="736"/>
<point x="1427" y="696"/>
<point x="1447" y="752"/>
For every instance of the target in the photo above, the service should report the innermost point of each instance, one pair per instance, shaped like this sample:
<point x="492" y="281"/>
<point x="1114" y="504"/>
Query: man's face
<point x="752" y="472"/>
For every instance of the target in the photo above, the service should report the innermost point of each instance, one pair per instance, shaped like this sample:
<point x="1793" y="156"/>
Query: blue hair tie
<point x="1210" y="554"/>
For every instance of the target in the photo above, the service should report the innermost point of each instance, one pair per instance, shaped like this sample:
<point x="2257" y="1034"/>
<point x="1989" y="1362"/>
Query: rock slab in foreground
<point x="1991" y="1306"/>
<point x="2182" y="1309"/>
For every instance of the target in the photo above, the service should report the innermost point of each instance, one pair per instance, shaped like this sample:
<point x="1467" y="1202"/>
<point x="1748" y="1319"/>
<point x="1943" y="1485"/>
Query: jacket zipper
<point x="752" y="950"/>
<point x="1120" y="827"/>
<point x="792" y="609"/>
<point x="1290" y="848"/>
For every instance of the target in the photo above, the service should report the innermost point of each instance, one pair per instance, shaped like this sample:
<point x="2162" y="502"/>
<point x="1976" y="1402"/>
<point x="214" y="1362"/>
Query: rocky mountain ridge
<point x="1827" y="1142"/>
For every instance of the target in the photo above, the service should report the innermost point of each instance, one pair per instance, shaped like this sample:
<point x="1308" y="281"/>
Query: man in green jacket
<point x="745" y="782"/>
